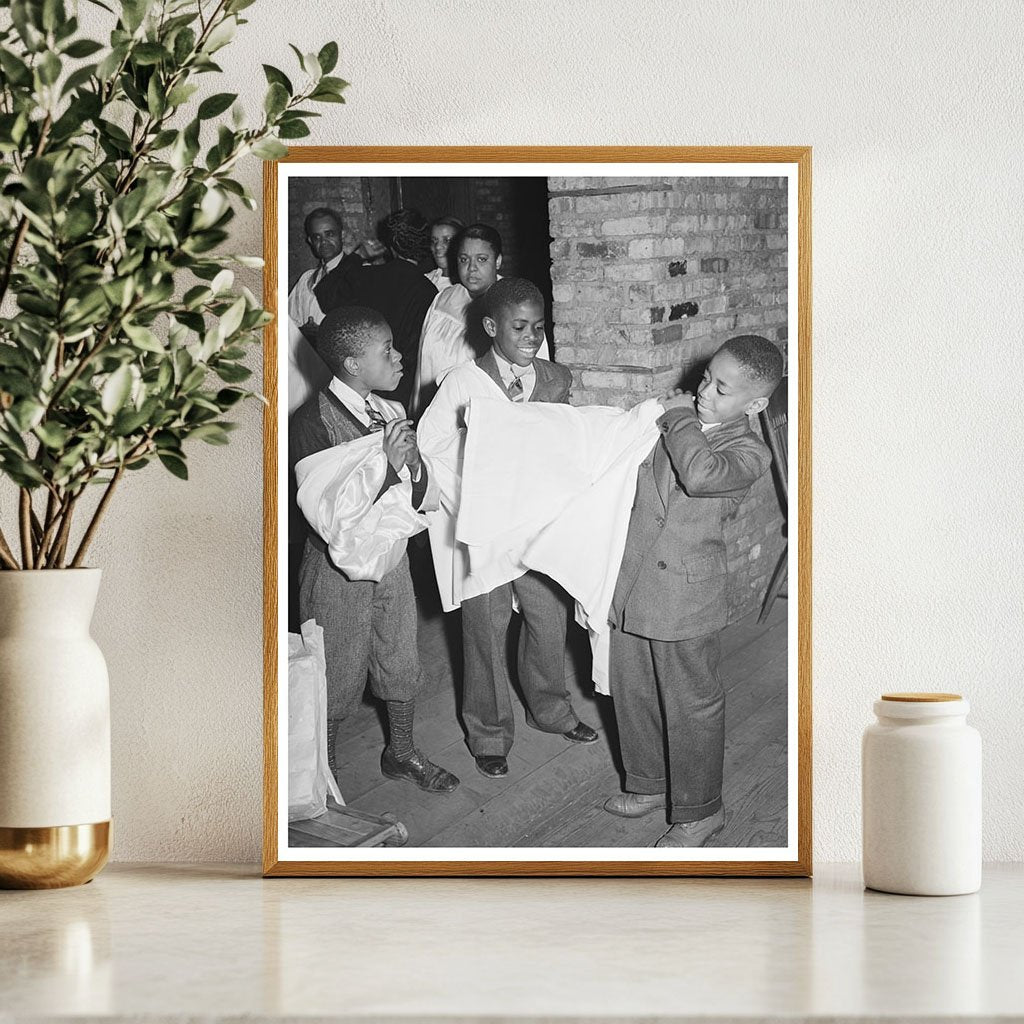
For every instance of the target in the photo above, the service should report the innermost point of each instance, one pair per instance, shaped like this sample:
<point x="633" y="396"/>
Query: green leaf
<point x="269" y="149"/>
<point x="128" y="421"/>
<point x="232" y="373"/>
<point x="222" y="281"/>
<point x="14" y="68"/>
<point x="175" y="465"/>
<point x="116" y="390"/>
<point x="311" y="65"/>
<point x="328" y="57"/>
<point x="322" y="95"/>
<point x="133" y="13"/>
<point x="227" y="397"/>
<point x="292" y="130"/>
<point x="215" y="105"/>
<point x="181" y="94"/>
<point x="144" y="338"/>
<point x="232" y="319"/>
<point x="276" y="100"/>
<point x="78" y="78"/>
<point x="211" y="433"/>
<point x="52" y="435"/>
<point x="278" y="77"/>
<point x="156" y="101"/>
<point x="221" y="35"/>
<point x="83" y="48"/>
<point x="26" y="21"/>
<point x="149" y="53"/>
<point x="184" y="44"/>
<point x="26" y="413"/>
<point x="49" y="68"/>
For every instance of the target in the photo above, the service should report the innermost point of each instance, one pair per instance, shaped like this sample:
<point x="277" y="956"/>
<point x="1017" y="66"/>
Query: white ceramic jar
<point x="921" y="777"/>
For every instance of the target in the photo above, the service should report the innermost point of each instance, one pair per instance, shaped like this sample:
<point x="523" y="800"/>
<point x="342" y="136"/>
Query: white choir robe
<point x="307" y="372"/>
<point x="443" y="342"/>
<point x="539" y="486"/>
<point x="336" y="490"/>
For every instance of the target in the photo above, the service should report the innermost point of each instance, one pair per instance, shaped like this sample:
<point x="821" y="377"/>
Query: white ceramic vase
<point x="54" y="731"/>
<point x="921" y="772"/>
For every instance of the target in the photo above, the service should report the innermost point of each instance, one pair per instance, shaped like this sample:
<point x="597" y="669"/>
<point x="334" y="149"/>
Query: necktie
<point x="376" y="420"/>
<point x="318" y="276"/>
<point x="515" y="390"/>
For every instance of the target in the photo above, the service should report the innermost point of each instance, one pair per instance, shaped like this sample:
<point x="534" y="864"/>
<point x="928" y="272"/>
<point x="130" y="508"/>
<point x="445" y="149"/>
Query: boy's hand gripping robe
<point x="339" y="493"/>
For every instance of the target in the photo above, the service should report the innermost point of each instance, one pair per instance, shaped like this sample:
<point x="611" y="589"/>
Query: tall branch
<point x="6" y="554"/>
<point x="61" y="543"/>
<point x="94" y="523"/>
<point x="25" y="522"/>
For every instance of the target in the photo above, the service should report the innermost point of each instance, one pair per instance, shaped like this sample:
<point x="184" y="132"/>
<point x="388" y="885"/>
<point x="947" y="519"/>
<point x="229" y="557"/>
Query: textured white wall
<point x="914" y="113"/>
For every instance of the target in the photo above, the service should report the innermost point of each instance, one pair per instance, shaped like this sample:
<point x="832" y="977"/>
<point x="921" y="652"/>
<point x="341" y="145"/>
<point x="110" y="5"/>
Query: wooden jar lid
<point x="921" y="698"/>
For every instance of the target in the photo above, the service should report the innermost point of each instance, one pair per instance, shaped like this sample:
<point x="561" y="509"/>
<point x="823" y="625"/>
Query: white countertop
<point x="174" y="942"/>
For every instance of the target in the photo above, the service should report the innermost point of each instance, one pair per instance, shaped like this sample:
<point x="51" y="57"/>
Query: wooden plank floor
<point x="553" y="794"/>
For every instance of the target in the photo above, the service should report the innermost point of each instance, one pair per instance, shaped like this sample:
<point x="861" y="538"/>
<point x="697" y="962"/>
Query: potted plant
<point x="122" y="339"/>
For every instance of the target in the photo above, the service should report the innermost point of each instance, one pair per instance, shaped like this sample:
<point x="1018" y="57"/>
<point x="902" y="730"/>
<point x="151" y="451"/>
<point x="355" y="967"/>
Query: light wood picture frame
<point x="654" y="257"/>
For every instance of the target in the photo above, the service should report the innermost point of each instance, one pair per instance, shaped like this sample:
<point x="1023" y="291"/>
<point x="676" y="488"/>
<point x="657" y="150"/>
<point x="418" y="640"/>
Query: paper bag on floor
<point x="309" y="778"/>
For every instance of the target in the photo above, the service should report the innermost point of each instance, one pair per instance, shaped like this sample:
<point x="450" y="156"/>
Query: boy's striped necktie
<point x="377" y="421"/>
<point x="515" y="390"/>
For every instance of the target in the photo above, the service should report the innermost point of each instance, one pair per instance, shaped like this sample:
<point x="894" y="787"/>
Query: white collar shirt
<point x="302" y="302"/>
<point x="510" y="373"/>
<point x="356" y="404"/>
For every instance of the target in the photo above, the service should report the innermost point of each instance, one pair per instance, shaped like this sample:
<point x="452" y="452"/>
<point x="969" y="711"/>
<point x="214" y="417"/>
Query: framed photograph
<point x="537" y="468"/>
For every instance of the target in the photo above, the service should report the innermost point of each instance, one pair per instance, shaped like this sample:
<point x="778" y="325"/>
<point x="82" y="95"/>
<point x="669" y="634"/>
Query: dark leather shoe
<point x="492" y="765"/>
<point x="634" y="805"/>
<point x="581" y="733"/>
<point x="418" y="768"/>
<point x="693" y="834"/>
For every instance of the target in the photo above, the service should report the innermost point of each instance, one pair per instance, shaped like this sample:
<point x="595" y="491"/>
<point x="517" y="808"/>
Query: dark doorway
<point x="516" y="207"/>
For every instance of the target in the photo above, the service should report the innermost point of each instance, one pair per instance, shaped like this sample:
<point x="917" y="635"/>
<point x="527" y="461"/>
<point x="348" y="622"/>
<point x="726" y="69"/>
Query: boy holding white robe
<point x="365" y="604"/>
<point x="511" y="370"/>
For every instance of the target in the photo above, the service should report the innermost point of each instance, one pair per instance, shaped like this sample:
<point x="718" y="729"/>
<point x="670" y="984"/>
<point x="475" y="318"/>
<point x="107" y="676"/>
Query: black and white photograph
<point x="537" y="437"/>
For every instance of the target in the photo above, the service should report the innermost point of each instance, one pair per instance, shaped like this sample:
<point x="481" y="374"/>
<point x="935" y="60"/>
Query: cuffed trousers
<point x="369" y="631"/>
<point x="487" y="699"/>
<point x="670" y="709"/>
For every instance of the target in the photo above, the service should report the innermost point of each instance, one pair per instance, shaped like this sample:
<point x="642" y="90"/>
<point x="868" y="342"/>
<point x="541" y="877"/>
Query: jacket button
<point x="660" y="520"/>
<point x="662" y="565"/>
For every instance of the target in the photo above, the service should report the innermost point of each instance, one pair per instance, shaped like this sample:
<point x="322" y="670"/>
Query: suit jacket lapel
<point x="489" y="365"/>
<point x="542" y="385"/>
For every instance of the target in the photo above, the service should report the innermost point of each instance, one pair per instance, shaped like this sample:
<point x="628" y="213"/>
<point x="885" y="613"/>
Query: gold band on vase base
<point x="53" y="857"/>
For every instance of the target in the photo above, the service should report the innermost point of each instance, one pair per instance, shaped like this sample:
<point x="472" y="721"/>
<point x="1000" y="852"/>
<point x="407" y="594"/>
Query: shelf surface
<point x="174" y="942"/>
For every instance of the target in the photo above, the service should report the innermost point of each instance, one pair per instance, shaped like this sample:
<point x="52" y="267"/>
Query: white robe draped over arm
<point x="365" y="538"/>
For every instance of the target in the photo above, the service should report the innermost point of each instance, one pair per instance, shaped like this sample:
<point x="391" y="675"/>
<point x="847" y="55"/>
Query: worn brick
<point x="628" y="272"/>
<point x="653" y="225"/>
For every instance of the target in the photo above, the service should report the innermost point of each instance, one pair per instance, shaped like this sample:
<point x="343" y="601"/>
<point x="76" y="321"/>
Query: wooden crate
<point x="344" y="827"/>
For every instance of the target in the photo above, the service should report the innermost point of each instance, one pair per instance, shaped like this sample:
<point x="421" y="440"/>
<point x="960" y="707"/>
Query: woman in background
<point x="442" y="231"/>
<point x="452" y="329"/>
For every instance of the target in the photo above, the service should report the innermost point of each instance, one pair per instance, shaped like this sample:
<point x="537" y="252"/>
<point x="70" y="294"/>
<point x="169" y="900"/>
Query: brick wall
<point x="345" y="195"/>
<point x="649" y="277"/>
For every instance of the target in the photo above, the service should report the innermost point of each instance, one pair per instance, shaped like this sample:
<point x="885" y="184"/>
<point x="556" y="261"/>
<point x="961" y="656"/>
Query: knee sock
<point x="400" y="715"/>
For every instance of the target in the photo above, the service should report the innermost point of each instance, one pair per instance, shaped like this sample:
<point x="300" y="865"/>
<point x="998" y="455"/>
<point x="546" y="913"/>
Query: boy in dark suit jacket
<point x="369" y="627"/>
<point x="670" y="606"/>
<point x="514" y="320"/>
